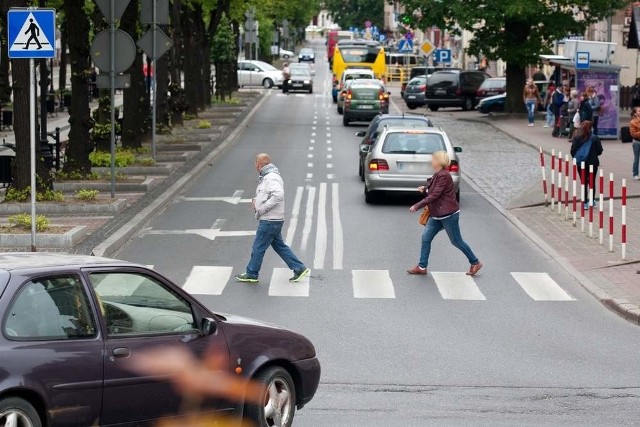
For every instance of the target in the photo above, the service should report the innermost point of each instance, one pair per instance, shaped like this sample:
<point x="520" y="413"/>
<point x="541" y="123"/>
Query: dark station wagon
<point x="71" y="325"/>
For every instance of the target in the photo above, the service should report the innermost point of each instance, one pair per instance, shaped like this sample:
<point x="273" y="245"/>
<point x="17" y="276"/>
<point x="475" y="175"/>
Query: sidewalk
<point x="613" y="281"/>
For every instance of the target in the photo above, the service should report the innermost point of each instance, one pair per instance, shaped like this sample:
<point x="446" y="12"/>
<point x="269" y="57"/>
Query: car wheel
<point x="345" y="120"/>
<point x="18" y="412"/>
<point x="412" y="106"/>
<point x="467" y="105"/>
<point x="285" y="56"/>
<point x="340" y="110"/>
<point x="434" y="107"/>
<point x="369" y="196"/>
<point x="279" y="401"/>
<point x="267" y="83"/>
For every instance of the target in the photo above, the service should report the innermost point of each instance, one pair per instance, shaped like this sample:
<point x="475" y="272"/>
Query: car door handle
<point x="121" y="352"/>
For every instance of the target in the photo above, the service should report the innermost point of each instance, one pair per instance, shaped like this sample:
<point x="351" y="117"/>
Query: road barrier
<point x="593" y="195"/>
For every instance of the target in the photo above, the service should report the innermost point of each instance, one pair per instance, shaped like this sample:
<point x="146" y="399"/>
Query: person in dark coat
<point x="585" y="110"/>
<point x="445" y="214"/>
<point x="583" y="136"/>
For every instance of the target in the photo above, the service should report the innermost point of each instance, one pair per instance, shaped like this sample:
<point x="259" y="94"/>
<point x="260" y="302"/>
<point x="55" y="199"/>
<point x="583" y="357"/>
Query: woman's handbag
<point x="424" y="216"/>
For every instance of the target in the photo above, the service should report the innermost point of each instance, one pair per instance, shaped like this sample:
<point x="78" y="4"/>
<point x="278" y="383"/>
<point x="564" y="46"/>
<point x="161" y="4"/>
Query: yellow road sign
<point x="427" y="48"/>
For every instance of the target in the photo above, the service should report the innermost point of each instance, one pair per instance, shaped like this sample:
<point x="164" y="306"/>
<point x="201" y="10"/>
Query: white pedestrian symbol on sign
<point x="31" y="37"/>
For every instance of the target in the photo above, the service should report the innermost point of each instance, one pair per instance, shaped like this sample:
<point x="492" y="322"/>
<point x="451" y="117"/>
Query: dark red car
<point x="491" y="87"/>
<point x="72" y="324"/>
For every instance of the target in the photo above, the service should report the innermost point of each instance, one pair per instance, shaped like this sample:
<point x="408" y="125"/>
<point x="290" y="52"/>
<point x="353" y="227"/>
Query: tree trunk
<point x="135" y="123"/>
<point x="5" y="86"/>
<point x="190" y="62"/>
<point x="62" y="74"/>
<point x="162" y="104"/>
<point x="234" y="76"/>
<point x="204" y="59"/>
<point x="176" y="51"/>
<point x="79" y="146"/>
<point x="515" y="84"/>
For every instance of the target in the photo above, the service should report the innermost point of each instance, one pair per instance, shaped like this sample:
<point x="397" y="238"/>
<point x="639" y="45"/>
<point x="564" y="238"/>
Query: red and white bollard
<point x="611" y="194"/>
<point x="574" y="192"/>
<point x="590" y="200"/>
<point x="544" y="178"/>
<point x="553" y="179"/>
<point x="566" y="187"/>
<point x="583" y="177"/>
<point x="623" y="234"/>
<point x="601" y="209"/>
<point x="560" y="183"/>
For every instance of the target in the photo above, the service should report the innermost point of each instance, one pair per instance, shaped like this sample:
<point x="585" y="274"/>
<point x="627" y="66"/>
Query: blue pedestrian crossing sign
<point x="31" y="33"/>
<point x="405" y="46"/>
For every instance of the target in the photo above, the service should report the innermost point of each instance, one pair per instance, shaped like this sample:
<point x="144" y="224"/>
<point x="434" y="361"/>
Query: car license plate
<point x="441" y="92"/>
<point x="366" y="107"/>
<point x="411" y="97"/>
<point x="297" y="85"/>
<point x="492" y="92"/>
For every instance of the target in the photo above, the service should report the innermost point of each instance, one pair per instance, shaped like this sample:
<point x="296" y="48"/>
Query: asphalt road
<point x="499" y="349"/>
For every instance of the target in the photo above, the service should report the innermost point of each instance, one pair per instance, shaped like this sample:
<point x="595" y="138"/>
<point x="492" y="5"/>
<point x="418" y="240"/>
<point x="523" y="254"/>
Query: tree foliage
<point x="348" y="13"/>
<point x="516" y="31"/>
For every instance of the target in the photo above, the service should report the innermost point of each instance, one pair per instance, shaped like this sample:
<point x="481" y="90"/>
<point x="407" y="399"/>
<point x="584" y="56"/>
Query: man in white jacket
<point x="269" y="208"/>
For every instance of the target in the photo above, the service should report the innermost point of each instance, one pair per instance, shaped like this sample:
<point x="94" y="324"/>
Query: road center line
<point x="321" y="228"/>
<point x="308" y="218"/>
<point x="338" y="238"/>
<point x="293" y="224"/>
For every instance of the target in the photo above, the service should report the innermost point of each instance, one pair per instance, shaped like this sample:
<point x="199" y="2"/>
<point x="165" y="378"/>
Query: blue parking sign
<point x="443" y="56"/>
<point x="31" y="33"/>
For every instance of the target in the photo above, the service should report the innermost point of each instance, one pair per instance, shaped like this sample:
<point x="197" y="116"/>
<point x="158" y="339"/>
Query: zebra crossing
<point x="376" y="284"/>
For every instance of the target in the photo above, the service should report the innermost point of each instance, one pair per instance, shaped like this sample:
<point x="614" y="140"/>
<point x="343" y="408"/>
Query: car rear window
<point x="404" y="122"/>
<point x="493" y="84"/>
<point x="370" y="92"/>
<point x="413" y="143"/>
<point x="358" y="76"/>
<point x="443" y="79"/>
<point x="418" y="82"/>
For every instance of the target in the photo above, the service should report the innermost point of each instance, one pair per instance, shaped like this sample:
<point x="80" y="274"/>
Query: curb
<point x="621" y="307"/>
<point x="119" y="237"/>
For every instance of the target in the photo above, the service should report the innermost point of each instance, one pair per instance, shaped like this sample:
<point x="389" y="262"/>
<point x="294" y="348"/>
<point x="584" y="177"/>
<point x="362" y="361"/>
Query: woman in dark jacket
<point x="582" y="136"/>
<point x="445" y="214"/>
<point x="585" y="110"/>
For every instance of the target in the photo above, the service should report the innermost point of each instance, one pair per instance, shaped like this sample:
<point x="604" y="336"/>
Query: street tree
<point x="223" y="55"/>
<point x="354" y="13"/>
<point x="516" y="31"/>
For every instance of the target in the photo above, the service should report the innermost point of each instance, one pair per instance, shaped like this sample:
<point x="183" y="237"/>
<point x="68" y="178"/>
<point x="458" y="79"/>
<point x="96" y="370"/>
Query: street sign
<point x="405" y="46"/>
<point x="427" y="48"/>
<point x="583" y="60"/>
<point x="31" y="33"/>
<point x="382" y="37"/>
<point x="163" y="43"/>
<point x="162" y="12"/>
<point x="443" y="56"/>
<point x="119" y="7"/>
<point x="124" y="47"/>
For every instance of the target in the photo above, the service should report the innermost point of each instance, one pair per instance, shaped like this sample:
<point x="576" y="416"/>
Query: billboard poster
<point x="605" y="84"/>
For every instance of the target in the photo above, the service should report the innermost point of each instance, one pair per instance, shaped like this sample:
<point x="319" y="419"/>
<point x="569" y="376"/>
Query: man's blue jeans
<point x="531" y="109"/>
<point x="452" y="227"/>
<point x="269" y="233"/>
<point x="636" y="157"/>
<point x="551" y="116"/>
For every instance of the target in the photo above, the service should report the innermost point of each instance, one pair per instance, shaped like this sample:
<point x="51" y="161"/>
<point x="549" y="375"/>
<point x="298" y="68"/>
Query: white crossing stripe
<point x="541" y="287"/>
<point x="321" y="228"/>
<point x="293" y="223"/>
<point x="150" y="266"/>
<point x="338" y="237"/>
<point x="207" y="280"/>
<point x="457" y="286"/>
<point x="372" y="284"/>
<point x="308" y="218"/>
<point x="281" y="287"/>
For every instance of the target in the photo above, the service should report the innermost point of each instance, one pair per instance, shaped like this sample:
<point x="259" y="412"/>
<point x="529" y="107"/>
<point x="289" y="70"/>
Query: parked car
<point x="492" y="104"/>
<point x="491" y="87"/>
<point x="414" y="95"/>
<point x="399" y="161"/>
<point x="380" y="122"/>
<point x="364" y="100"/>
<point x="347" y="75"/>
<point x="421" y="70"/>
<point x="307" y="55"/>
<point x="454" y="88"/>
<point x="258" y="73"/>
<point x="72" y="326"/>
<point x="281" y="53"/>
<point x="300" y="80"/>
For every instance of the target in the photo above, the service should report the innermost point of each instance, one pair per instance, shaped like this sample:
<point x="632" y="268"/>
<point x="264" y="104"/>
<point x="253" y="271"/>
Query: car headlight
<point x="307" y="82"/>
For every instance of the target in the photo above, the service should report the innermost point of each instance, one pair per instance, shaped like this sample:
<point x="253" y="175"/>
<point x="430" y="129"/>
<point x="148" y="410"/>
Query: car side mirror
<point x="361" y="134"/>
<point x="364" y="149"/>
<point x="208" y="326"/>
<point x="457" y="149"/>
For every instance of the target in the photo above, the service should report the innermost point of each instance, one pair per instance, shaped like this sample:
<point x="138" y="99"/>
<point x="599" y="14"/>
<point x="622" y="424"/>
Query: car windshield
<point x="493" y="84"/>
<point x="413" y="143"/>
<point x="443" y="79"/>
<point x="300" y="72"/>
<point x="306" y="52"/>
<point x="267" y="67"/>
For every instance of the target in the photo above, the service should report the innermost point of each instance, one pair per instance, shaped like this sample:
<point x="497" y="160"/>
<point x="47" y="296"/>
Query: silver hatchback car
<point x="400" y="160"/>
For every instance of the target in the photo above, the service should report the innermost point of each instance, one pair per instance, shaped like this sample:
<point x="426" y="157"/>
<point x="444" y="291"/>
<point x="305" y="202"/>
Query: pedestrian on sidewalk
<point x="269" y="210"/>
<point x="585" y="108"/>
<point x="572" y="109"/>
<point x="634" y="128"/>
<point x="586" y="147"/>
<point x="548" y="105"/>
<point x="444" y="214"/>
<point x="286" y="75"/>
<point x="531" y="97"/>
<point x="635" y="94"/>
<point x="594" y="101"/>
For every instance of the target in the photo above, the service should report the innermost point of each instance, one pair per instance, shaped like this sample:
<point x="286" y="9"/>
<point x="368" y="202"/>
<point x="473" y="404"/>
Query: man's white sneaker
<point x="545" y="126"/>
<point x="637" y="178"/>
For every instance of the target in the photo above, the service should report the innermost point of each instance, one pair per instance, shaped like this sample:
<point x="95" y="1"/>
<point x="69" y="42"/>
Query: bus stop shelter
<point x="605" y="79"/>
